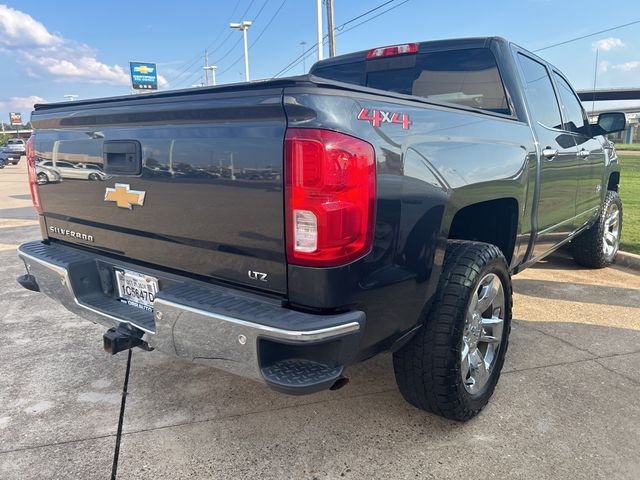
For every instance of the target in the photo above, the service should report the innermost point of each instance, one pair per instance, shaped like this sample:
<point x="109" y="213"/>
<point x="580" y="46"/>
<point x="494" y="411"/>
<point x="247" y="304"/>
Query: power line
<point x="189" y="67"/>
<point x="257" y="38"/>
<point x="309" y="51"/>
<point x="364" y="14"/>
<point x="188" y="80"/>
<point x="587" y="36"/>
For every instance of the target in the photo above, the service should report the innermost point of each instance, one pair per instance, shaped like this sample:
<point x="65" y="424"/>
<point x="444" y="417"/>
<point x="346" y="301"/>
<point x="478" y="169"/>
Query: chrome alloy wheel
<point x="611" y="232"/>
<point x="482" y="333"/>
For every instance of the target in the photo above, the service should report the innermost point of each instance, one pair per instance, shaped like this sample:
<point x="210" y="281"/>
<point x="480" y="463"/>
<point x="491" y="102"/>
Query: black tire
<point x="588" y="248"/>
<point x="428" y="368"/>
<point x="94" y="177"/>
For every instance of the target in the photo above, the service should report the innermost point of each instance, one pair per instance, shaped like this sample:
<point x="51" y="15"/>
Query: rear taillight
<point x="392" y="50"/>
<point x="31" y="168"/>
<point x="330" y="191"/>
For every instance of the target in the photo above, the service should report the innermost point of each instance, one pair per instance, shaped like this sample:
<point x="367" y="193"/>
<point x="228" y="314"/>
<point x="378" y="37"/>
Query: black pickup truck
<point x="286" y="229"/>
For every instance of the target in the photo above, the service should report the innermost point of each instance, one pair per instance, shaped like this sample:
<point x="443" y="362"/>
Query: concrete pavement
<point x="566" y="407"/>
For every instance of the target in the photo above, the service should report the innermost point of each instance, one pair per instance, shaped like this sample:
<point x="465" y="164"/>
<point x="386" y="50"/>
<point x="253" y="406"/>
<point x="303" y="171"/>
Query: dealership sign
<point x="143" y="76"/>
<point x="15" y="119"/>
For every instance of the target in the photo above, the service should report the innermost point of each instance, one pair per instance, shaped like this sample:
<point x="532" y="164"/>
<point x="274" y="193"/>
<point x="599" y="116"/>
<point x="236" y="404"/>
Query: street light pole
<point x="244" y="26"/>
<point x="319" y="27"/>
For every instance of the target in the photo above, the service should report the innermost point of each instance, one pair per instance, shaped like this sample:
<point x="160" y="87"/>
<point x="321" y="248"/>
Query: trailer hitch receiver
<point x="124" y="337"/>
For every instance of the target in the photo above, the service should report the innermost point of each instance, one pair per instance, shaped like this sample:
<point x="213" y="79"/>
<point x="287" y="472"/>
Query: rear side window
<point x="540" y="93"/>
<point x="468" y="77"/>
<point x="575" y="120"/>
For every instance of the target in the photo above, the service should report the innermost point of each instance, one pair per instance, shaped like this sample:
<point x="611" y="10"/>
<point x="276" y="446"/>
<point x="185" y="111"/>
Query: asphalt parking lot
<point x="567" y="405"/>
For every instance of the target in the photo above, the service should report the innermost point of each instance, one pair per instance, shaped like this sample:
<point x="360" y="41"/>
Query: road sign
<point x="15" y="119"/>
<point x="144" y="76"/>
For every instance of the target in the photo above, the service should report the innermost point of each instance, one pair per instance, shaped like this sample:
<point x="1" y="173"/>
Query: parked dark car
<point x="380" y="203"/>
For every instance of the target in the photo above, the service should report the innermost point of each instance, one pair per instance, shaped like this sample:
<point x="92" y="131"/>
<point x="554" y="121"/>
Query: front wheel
<point x="598" y="246"/>
<point x="452" y="365"/>
<point x="42" y="178"/>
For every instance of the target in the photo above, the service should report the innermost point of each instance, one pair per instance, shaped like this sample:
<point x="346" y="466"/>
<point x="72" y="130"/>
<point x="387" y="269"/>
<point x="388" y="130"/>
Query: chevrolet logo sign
<point x="124" y="196"/>
<point x="143" y="69"/>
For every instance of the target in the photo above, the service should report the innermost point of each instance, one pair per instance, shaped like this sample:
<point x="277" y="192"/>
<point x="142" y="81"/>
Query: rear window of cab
<point x="468" y="77"/>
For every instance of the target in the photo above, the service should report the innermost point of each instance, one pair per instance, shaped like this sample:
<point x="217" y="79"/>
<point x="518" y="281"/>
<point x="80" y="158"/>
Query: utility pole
<point x="206" y="67"/>
<point x="304" y="59"/>
<point x="331" y="30"/>
<point x="319" y="28"/>
<point x="244" y="26"/>
<point x="595" y="79"/>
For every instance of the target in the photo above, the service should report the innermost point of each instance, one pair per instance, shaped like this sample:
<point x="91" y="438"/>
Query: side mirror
<point x="610" y="122"/>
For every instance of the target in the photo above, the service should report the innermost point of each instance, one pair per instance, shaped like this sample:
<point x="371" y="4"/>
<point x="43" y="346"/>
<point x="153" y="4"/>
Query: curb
<point x="628" y="260"/>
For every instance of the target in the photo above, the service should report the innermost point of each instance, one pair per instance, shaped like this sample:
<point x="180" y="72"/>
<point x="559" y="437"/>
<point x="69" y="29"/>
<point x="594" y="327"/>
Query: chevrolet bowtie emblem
<point x="124" y="197"/>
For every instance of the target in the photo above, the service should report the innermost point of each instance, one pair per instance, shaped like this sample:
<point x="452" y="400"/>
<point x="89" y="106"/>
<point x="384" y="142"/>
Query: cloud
<point x="20" y="104"/>
<point x="603" y="66"/>
<point x="53" y="57"/>
<point x="17" y="29"/>
<point x="628" y="66"/>
<point x="606" y="44"/>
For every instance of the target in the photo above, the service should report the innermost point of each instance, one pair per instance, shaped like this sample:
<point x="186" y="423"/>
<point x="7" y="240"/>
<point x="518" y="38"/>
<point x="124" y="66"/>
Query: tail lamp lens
<point x="330" y="191"/>
<point x="33" y="183"/>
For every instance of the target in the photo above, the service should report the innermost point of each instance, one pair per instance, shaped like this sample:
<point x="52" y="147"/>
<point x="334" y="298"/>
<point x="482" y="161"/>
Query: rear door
<point x="591" y="155"/>
<point x="559" y="164"/>
<point x="204" y="195"/>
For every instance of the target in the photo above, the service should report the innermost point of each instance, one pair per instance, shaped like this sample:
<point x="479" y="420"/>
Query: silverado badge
<point x="124" y="196"/>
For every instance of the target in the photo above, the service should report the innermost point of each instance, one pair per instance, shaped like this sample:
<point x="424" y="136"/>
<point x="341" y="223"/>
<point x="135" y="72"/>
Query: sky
<point x="52" y="49"/>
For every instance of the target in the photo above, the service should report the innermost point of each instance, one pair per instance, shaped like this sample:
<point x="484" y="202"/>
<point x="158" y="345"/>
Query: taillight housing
<point x="330" y="192"/>
<point x="33" y="183"/>
<point x="393" y="50"/>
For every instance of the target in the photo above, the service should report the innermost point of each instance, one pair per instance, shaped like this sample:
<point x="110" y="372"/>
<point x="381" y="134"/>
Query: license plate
<point x="136" y="289"/>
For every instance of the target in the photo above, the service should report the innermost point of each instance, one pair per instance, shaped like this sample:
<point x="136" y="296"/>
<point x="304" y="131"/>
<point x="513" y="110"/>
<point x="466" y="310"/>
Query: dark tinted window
<point x="346" y="72"/>
<point x="574" y="116"/>
<point x="540" y="93"/>
<point x="466" y="77"/>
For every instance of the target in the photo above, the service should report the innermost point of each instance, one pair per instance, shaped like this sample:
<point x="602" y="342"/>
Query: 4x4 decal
<point x="378" y="117"/>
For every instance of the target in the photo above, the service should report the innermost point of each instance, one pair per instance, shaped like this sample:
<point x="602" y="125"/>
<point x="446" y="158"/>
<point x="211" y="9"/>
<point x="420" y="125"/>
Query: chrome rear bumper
<point x="223" y="328"/>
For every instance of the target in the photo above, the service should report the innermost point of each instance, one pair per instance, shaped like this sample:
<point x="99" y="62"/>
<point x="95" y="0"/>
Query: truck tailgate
<point x="208" y="199"/>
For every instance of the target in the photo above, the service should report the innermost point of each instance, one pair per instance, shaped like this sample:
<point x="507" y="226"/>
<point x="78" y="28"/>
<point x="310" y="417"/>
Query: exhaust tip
<point x="339" y="383"/>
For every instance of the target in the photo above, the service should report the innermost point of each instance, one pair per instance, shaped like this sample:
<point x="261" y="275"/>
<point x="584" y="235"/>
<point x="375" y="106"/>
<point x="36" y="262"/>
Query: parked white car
<point x="78" y="171"/>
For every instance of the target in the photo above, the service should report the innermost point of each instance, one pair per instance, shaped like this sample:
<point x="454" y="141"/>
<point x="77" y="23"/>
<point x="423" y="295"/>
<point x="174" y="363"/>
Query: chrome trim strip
<point x="300" y="335"/>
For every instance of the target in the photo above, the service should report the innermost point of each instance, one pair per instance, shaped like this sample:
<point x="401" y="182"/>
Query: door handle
<point x="584" y="153"/>
<point x="549" y="153"/>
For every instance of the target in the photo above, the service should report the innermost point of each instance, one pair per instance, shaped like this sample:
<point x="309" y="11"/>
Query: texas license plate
<point x="136" y="289"/>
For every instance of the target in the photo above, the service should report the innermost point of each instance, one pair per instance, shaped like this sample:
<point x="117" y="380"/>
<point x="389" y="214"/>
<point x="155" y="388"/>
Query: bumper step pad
<point x="305" y="376"/>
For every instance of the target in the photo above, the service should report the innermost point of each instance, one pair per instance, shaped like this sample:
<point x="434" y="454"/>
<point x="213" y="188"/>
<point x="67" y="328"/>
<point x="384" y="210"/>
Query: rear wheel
<point x="452" y="365"/>
<point x="598" y="246"/>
